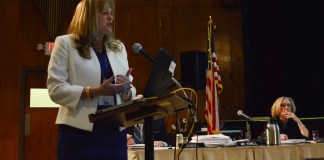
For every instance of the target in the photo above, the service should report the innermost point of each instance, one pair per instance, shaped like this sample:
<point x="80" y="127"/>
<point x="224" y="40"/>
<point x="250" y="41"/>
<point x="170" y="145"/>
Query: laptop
<point x="161" y="74"/>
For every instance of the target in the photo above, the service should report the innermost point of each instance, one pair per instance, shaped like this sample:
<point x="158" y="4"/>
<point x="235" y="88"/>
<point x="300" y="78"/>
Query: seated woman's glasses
<point x="284" y="105"/>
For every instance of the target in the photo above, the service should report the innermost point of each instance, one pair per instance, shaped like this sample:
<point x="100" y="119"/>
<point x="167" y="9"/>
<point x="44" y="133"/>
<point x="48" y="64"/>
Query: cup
<point x="179" y="139"/>
<point x="315" y="134"/>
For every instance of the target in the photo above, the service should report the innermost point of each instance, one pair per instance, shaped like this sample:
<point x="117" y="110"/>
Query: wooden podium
<point x="135" y="112"/>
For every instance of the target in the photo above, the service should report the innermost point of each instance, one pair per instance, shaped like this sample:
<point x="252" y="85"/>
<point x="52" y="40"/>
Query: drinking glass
<point x="315" y="134"/>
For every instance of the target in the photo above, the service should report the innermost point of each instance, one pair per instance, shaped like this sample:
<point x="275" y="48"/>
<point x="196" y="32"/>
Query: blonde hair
<point x="84" y="27"/>
<point x="276" y="106"/>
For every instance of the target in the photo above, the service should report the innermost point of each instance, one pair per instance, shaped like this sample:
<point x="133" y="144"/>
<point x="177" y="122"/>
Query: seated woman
<point x="283" y="110"/>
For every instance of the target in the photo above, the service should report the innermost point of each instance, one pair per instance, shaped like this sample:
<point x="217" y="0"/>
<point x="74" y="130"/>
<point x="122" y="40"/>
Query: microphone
<point x="240" y="113"/>
<point x="137" y="48"/>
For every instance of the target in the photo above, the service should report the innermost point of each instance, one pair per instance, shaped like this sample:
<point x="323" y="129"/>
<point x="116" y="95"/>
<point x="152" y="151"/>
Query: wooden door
<point x="40" y="132"/>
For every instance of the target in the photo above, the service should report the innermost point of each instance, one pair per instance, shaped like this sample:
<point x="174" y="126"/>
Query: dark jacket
<point x="159" y="131"/>
<point x="291" y="129"/>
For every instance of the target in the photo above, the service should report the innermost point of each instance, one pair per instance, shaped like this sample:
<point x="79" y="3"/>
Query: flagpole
<point x="210" y="22"/>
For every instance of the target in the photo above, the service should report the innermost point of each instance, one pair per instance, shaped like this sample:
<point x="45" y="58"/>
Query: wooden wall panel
<point x="182" y="26"/>
<point x="21" y="31"/>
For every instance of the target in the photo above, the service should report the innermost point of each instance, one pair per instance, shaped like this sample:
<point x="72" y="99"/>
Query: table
<point x="281" y="152"/>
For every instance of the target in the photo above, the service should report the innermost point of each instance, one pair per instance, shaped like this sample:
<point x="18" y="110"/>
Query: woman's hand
<point x="122" y="84"/>
<point x="291" y="115"/>
<point x="122" y="79"/>
<point x="283" y="137"/>
<point x="288" y="115"/>
<point x="109" y="88"/>
<point x="294" y="117"/>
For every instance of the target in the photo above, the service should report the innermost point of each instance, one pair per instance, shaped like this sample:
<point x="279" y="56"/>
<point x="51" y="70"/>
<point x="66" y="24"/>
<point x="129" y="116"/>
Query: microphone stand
<point x="248" y="131"/>
<point x="194" y="107"/>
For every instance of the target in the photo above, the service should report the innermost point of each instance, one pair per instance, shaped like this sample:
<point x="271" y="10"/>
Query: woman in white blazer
<point x="88" y="70"/>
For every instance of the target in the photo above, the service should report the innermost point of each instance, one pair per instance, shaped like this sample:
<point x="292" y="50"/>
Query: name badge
<point x="106" y="100"/>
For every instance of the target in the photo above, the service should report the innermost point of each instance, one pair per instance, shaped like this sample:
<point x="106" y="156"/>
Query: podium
<point x="136" y="111"/>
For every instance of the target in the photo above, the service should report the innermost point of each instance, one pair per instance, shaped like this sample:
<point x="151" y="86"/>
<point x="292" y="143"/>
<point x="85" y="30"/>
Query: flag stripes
<point x="213" y="85"/>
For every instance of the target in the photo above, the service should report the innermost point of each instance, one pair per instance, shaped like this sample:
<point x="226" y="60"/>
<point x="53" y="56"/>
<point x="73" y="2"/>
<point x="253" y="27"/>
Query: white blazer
<point x="69" y="73"/>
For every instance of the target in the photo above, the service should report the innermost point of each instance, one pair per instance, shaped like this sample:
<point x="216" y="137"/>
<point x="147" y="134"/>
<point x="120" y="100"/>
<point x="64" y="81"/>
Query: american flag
<point x="213" y="84"/>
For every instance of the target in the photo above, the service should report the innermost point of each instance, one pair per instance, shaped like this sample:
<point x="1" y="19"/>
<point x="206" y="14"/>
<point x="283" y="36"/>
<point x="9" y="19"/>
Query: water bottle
<point x="272" y="132"/>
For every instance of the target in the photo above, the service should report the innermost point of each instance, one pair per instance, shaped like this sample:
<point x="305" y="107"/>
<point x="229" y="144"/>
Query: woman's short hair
<point x="276" y="106"/>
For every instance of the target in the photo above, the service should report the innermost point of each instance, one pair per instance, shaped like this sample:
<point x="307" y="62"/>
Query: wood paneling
<point x="179" y="27"/>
